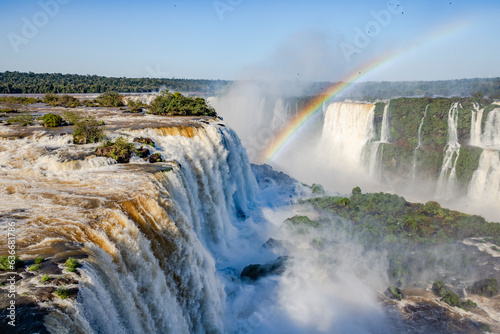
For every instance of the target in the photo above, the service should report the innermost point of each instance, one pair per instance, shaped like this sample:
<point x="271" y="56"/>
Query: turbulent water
<point x="348" y="127"/>
<point x="150" y="234"/>
<point x="446" y="185"/>
<point x="484" y="188"/>
<point x="162" y="245"/>
<point x="419" y="145"/>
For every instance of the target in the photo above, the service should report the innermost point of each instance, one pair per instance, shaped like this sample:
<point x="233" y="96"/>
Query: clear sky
<point x="236" y="39"/>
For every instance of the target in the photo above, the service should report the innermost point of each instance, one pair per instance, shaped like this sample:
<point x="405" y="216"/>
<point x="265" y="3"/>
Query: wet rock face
<point x="143" y="153"/>
<point x="254" y="272"/>
<point x="155" y="158"/>
<point x="29" y="318"/>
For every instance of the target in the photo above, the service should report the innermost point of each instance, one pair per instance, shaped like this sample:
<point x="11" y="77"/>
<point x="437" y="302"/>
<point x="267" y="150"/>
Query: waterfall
<point x="484" y="188"/>
<point x="475" y="129"/>
<point x="447" y="177"/>
<point x="152" y="236"/>
<point x="419" y="144"/>
<point x="347" y="128"/>
<point x="385" y="132"/>
<point x="491" y="134"/>
<point x="375" y="156"/>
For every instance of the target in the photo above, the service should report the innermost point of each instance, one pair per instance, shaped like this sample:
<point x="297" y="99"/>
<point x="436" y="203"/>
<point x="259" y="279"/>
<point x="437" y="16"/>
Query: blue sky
<point x="239" y="39"/>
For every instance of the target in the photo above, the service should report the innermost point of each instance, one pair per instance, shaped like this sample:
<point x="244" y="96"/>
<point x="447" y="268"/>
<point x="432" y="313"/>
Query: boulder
<point x="155" y="158"/>
<point x="121" y="156"/>
<point x="254" y="272"/>
<point x="45" y="294"/>
<point x="143" y="153"/>
<point x="146" y="141"/>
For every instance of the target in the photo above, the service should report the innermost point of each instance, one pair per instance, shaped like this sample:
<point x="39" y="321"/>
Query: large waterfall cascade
<point x="484" y="187"/>
<point x="153" y="236"/>
<point x="347" y="128"/>
<point x="447" y="178"/>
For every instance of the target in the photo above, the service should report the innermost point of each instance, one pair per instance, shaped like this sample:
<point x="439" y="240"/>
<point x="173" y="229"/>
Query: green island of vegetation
<point x="417" y="238"/>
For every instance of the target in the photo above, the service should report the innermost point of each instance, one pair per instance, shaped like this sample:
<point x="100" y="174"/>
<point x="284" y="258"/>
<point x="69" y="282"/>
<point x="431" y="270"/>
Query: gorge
<point x="162" y="247"/>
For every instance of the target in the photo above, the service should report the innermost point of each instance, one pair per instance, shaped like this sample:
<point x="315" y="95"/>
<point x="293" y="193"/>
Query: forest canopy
<point x="41" y="83"/>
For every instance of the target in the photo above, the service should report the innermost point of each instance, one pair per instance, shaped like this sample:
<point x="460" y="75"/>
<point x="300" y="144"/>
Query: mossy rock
<point x="394" y="293"/>
<point x="451" y="299"/>
<point x="120" y="150"/>
<point x="439" y="288"/>
<point x="485" y="288"/>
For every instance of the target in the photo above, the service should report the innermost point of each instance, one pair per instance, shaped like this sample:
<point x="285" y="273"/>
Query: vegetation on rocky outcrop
<point x="87" y="130"/>
<point x="176" y="104"/>
<point x="120" y="150"/>
<point x="51" y="120"/>
<point x="486" y="288"/>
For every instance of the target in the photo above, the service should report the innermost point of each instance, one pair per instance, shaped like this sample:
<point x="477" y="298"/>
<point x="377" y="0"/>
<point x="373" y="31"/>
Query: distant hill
<point x="41" y="83"/>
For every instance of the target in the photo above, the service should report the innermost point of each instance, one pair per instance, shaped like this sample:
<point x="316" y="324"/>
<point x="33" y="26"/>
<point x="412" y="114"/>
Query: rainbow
<point x="304" y="115"/>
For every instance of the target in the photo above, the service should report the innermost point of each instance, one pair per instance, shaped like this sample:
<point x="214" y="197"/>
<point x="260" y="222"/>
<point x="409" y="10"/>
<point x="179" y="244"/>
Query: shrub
<point x="451" y="299"/>
<point x="34" y="267"/>
<point x="50" y="98"/>
<point x="120" y="150"/>
<point x="39" y="260"/>
<point x="356" y="191"/>
<point x="469" y="304"/>
<point x="63" y="293"/>
<point x="51" y="120"/>
<point x="6" y="264"/>
<point x="317" y="189"/>
<point x="45" y="278"/>
<point x="486" y="288"/>
<point x="110" y="99"/>
<point x="70" y="117"/>
<point x="61" y="101"/>
<point x="71" y="264"/>
<point x="134" y="106"/>
<point x="87" y="130"/>
<point x="23" y="119"/>
<point x="179" y="105"/>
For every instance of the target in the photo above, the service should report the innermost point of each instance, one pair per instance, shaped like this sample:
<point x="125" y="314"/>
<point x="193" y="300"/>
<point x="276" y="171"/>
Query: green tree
<point x="88" y="130"/>
<point x="51" y="120"/>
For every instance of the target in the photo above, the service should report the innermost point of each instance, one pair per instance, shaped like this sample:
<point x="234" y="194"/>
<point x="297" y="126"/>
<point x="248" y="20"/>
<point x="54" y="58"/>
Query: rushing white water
<point x="484" y="188"/>
<point x="447" y="178"/>
<point x="348" y="127"/>
<point x="385" y="132"/>
<point x="491" y="134"/>
<point x="151" y="239"/>
<point x="475" y="129"/>
<point x="375" y="156"/>
<point x="419" y="144"/>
